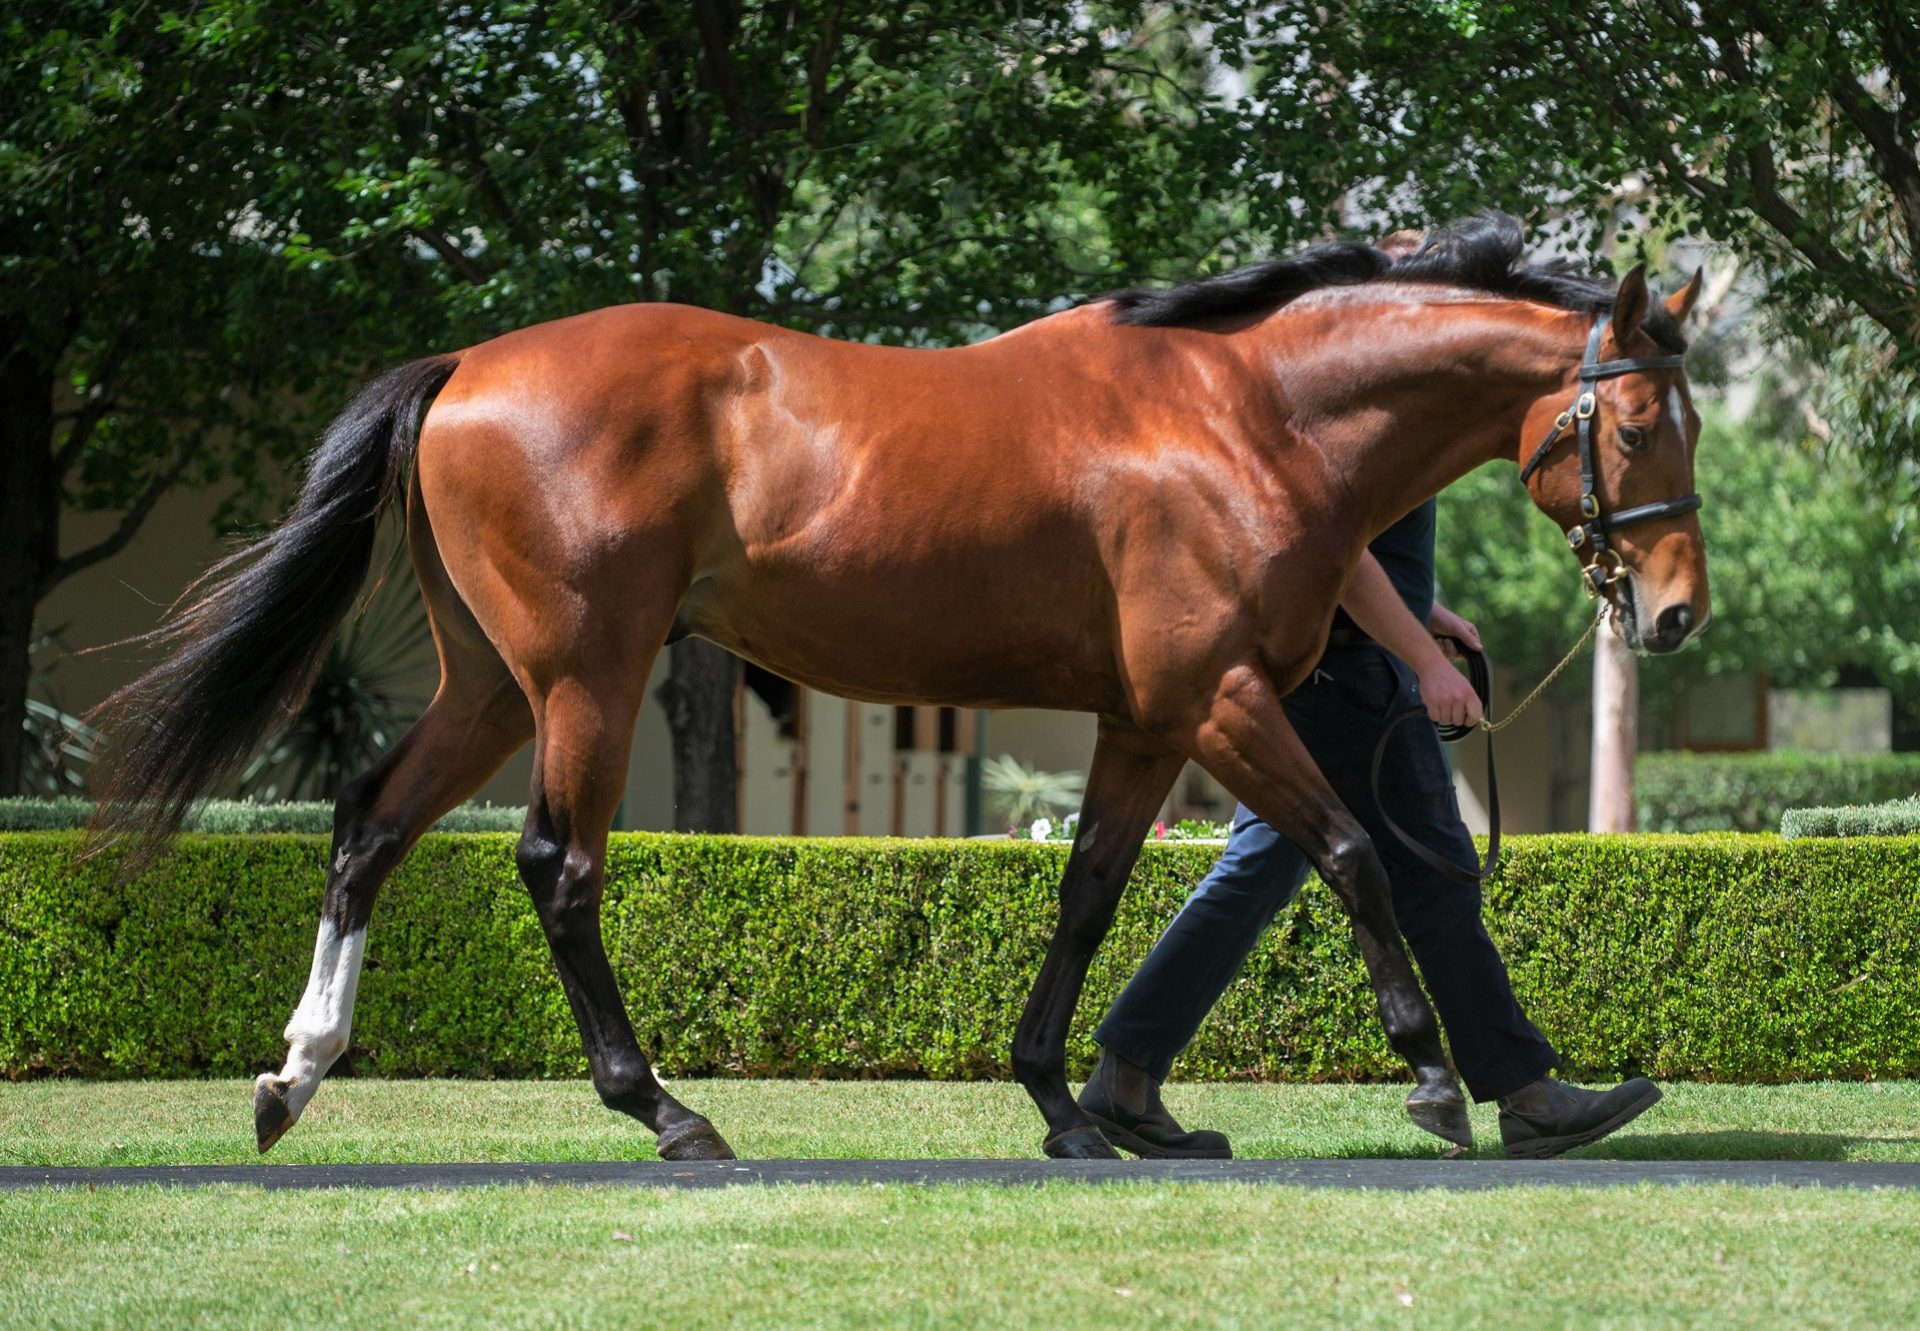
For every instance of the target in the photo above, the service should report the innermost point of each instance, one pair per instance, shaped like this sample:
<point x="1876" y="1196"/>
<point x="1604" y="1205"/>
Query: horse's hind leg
<point x="1129" y="779"/>
<point x="583" y="731"/>
<point x="475" y="722"/>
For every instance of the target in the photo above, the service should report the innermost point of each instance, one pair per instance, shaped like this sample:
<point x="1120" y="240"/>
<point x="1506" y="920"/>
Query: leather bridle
<point x="1597" y="523"/>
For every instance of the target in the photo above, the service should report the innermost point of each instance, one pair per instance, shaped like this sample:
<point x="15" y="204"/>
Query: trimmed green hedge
<point x="1728" y="957"/>
<point x="241" y="817"/>
<point x="1894" y="818"/>
<point x="1748" y="792"/>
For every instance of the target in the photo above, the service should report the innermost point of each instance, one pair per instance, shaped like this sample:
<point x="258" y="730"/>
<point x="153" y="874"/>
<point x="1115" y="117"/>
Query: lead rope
<point x="1481" y="674"/>
<point x="1495" y="727"/>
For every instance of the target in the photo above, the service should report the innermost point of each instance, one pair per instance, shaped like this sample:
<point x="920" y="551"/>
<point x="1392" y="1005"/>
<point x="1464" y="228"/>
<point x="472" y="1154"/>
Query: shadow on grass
<point x="1734" y="1146"/>
<point x="1628" y="1145"/>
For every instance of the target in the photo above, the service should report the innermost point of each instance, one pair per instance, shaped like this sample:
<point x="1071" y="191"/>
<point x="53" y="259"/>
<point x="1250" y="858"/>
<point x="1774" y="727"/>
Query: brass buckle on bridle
<point x="1598" y="576"/>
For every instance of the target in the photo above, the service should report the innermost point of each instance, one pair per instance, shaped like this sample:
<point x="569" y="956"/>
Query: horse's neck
<point x="1405" y="397"/>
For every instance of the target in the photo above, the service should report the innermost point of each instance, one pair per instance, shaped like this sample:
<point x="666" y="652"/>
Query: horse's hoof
<point x="695" y="1139"/>
<point x="1081" y="1143"/>
<point x="272" y="1115"/>
<point x="1442" y="1110"/>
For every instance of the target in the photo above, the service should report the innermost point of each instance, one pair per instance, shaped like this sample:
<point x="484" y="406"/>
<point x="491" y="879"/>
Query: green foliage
<point x="32" y="814"/>
<point x="921" y="173"/>
<point x="1749" y="792"/>
<point x="238" y="817"/>
<point x="1783" y="131"/>
<point x="1894" y="818"/>
<point x="1740" y="958"/>
<point x="149" y="186"/>
<point x="1017" y="794"/>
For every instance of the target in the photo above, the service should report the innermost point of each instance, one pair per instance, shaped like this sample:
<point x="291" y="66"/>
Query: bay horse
<point x="1191" y="474"/>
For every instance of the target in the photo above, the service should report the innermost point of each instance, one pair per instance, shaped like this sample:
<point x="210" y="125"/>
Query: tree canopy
<point x="1782" y="130"/>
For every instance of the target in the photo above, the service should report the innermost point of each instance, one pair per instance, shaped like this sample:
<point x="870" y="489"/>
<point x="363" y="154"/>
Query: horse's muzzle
<point x="1672" y="628"/>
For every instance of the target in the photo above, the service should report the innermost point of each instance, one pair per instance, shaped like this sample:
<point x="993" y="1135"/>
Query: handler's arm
<point x="1377" y="608"/>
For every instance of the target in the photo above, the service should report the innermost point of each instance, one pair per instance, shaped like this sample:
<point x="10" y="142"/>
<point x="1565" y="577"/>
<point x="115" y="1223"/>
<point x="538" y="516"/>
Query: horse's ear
<point x="1630" y="305"/>
<point x="1402" y="244"/>
<point x="1680" y="303"/>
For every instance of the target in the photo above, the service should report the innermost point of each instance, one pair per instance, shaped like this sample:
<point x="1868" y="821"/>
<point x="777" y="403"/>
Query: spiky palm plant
<point x="1018" y="794"/>
<point x="367" y="692"/>
<point x="60" y="746"/>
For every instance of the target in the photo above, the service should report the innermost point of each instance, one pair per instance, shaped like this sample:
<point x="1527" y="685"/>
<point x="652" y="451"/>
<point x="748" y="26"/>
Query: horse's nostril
<point x="1674" y="623"/>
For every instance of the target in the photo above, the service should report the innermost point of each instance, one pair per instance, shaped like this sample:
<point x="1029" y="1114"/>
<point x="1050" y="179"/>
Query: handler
<point x="1383" y="656"/>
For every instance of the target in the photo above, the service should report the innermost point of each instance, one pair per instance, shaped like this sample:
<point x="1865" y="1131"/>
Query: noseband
<point x="1592" y="532"/>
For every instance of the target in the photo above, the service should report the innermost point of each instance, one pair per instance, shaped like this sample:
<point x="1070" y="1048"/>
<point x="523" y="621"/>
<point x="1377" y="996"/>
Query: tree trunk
<point x="29" y="535"/>
<point x="1616" y="715"/>
<point x="16" y="636"/>
<point x="698" y="698"/>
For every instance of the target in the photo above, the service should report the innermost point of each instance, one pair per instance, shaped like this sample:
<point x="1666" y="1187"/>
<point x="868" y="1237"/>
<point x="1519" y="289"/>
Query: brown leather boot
<point x="1551" y="1117"/>
<point x="1125" y="1102"/>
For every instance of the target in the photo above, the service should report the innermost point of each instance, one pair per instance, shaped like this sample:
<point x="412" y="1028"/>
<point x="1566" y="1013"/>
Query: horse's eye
<point x="1632" y="436"/>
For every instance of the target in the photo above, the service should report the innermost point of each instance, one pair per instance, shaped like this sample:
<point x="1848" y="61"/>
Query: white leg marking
<point x="317" y="1034"/>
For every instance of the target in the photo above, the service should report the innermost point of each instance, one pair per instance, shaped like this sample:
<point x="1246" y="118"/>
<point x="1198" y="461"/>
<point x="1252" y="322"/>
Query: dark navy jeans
<point x="1339" y="713"/>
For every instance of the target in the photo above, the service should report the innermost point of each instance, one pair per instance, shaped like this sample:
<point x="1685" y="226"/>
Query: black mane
<point x="1481" y="253"/>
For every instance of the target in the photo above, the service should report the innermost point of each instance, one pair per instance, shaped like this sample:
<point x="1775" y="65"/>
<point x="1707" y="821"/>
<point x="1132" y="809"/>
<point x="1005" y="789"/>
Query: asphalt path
<point x="1383" y="1175"/>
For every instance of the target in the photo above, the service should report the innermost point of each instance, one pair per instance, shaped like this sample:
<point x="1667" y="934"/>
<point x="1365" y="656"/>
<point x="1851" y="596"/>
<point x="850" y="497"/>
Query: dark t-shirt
<point x="1405" y="551"/>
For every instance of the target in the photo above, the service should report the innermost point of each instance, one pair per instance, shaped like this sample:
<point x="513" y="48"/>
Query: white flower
<point x="1042" y="829"/>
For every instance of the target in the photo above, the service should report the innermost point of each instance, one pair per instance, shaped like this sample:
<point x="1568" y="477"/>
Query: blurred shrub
<point x="1894" y="818"/>
<point x="1748" y="792"/>
<point x="238" y="817"/>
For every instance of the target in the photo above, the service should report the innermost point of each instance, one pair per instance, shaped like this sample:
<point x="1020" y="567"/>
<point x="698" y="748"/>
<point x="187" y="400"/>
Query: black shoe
<point x="1125" y="1102"/>
<point x="1550" y="1117"/>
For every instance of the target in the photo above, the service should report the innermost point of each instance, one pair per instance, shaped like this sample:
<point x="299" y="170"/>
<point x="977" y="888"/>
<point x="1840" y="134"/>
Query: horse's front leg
<point x="1130" y="777"/>
<point x="1246" y="741"/>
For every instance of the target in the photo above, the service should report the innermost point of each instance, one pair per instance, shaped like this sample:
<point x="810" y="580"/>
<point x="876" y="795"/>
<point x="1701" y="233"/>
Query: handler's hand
<point x="1446" y="626"/>
<point x="1450" y="699"/>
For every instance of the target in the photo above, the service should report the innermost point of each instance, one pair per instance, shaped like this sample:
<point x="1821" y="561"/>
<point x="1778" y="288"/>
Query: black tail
<point x="245" y="640"/>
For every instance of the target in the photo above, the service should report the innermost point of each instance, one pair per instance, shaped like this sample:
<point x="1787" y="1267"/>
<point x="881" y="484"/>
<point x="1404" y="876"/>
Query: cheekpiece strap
<point x="1612" y="369"/>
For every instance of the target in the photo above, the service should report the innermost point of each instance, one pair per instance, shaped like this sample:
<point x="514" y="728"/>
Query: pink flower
<point x="1159" y="831"/>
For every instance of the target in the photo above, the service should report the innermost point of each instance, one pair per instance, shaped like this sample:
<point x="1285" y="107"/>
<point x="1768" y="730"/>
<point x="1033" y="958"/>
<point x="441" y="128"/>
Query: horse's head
<point x="1614" y="467"/>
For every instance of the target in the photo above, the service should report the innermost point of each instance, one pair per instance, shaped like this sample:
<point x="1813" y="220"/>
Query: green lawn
<point x="1057" y="1256"/>
<point x="186" y="1122"/>
<point x="1061" y="1256"/>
